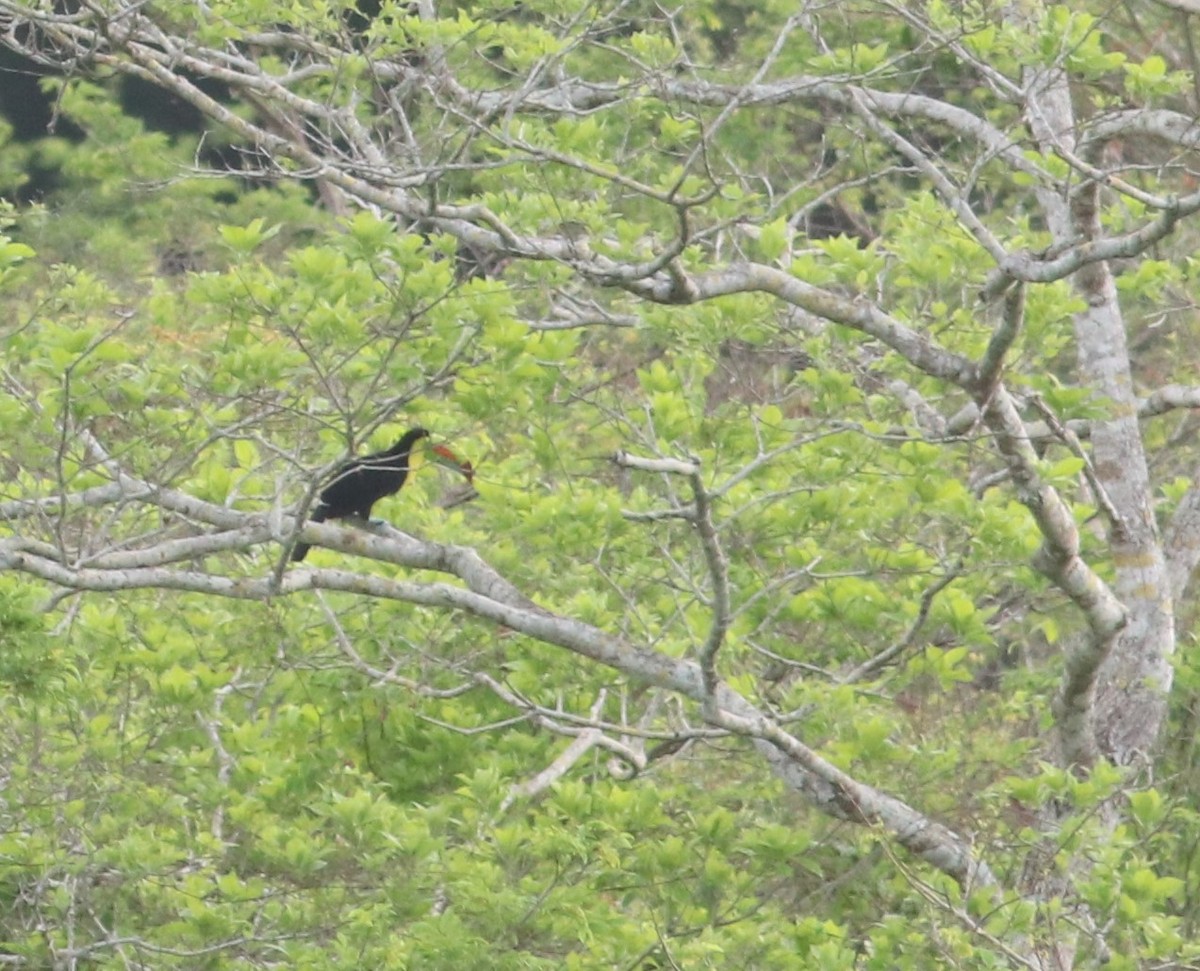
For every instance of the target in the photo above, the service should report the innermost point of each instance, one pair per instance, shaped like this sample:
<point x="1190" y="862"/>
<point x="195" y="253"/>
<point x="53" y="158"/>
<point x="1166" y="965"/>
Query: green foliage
<point x="1151" y="78"/>
<point x="12" y="255"/>
<point x="327" y="780"/>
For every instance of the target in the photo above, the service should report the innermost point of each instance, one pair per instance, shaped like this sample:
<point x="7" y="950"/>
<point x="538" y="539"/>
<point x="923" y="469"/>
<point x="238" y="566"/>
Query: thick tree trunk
<point x="1134" y="674"/>
<point x="1135" y="678"/>
<point x="1123" y="700"/>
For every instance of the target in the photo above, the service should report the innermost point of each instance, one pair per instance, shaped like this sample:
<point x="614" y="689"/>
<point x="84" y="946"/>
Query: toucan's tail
<point x="300" y="550"/>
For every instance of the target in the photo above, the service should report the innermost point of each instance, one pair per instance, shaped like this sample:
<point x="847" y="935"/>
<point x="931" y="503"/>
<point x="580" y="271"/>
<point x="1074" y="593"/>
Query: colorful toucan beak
<point x="443" y="456"/>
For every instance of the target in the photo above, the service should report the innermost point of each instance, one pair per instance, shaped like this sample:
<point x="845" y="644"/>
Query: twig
<point x="1071" y="440"/>
<point x="714" y="556"/>
<point x="886" y="656"/>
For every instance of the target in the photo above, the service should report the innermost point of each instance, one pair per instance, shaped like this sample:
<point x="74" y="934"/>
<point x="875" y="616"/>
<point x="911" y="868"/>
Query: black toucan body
<point x="360" y="483"/>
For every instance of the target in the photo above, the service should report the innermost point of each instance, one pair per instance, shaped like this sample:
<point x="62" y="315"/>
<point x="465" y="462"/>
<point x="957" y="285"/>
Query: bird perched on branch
<point x="360" y="483"/>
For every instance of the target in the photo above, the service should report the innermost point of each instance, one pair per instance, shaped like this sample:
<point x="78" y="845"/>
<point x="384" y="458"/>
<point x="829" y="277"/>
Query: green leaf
<point x="244" y="240"/>
<point x="774" y="239"/>
<point x="1147" y="807"/>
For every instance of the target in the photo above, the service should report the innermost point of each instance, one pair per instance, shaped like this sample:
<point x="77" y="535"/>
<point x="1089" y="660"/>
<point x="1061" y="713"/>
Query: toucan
<point x="360" y="483"/>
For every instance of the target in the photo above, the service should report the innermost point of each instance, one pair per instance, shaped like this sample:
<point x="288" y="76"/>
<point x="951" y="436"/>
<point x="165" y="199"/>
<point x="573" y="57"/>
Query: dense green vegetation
<point x="808" y="382"/>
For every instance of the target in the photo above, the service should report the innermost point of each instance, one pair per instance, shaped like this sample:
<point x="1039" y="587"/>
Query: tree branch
<point x="885" y="657"/>
<point x="489" y="596"/>
<point x="1059" y="560"/>
<point x="1181" y="542"/>
<point x="714" y="556"/>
